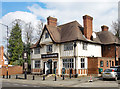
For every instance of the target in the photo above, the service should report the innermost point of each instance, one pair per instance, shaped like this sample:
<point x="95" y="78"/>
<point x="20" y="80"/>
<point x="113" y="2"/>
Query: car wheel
<point x="116" y="78"/>
<point x="103" y="79"/>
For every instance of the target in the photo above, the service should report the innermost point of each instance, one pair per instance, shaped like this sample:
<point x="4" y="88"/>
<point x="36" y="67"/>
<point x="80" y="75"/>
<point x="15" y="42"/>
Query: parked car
<point x="111" y="73"/>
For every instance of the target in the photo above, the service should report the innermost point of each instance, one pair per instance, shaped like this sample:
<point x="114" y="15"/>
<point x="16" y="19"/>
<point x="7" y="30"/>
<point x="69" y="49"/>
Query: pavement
<point x="50" y="82"/>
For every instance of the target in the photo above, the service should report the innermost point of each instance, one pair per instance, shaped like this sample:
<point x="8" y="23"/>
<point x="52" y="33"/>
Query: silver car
<point x="110" y="74"/>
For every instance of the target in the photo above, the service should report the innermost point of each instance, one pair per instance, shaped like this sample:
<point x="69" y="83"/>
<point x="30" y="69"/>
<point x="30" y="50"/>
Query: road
<point x="74" y="83"/>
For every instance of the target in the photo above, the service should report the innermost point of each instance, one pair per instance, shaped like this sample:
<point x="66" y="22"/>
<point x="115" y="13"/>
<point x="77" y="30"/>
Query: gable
<point x="45" y="37"/>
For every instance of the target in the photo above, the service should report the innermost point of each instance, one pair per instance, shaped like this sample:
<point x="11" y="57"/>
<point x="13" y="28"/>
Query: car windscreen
<point x="108" y="70"/>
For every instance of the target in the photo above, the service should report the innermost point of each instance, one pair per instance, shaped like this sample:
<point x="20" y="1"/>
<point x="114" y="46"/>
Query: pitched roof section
<point x="68" y="32"/>
<point x="74" y="31"/>
<point x="107" y="37"/>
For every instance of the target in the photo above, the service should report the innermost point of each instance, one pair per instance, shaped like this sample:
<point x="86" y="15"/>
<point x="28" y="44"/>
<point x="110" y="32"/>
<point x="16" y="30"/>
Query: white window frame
<point x="49" y="48"/>
<point x="37" y="50"/>
<point x="82" y="61"/>
<point x="68" y="46"/>
<point x="37" y="62"/>
<point x="46" y="35"/>
<point x="84" y="46"/>
<point x="68" y="63"/>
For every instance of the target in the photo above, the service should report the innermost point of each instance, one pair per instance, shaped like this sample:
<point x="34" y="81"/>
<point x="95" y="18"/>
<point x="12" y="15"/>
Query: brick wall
<point x="109" y="51"/>
<point x="11" y="70"/>
<point x="94" y="64"/>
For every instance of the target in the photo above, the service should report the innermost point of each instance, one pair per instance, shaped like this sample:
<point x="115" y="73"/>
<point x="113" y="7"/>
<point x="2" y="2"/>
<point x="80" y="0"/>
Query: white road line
<point x="24" y="85"/>
<point x="15" y="84"/>
<point x="35" y="86"/>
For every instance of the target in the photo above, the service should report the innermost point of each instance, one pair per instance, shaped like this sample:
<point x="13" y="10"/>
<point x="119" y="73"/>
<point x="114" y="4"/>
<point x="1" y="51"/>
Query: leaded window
<point x="37" y="63"/>
<point x="68" y="46"/>
<point x="68" y="63"/>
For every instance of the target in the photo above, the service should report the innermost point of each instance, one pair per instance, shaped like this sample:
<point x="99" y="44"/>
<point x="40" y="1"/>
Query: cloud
<point x="102" y="12"/>
<point x="10" y="17"/>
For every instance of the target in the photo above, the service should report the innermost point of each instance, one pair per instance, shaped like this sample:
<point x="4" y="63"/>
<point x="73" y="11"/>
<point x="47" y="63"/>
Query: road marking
<point x="15" y="84"/>
<point x="24" y="85"/>
<point x="35" y="86"/>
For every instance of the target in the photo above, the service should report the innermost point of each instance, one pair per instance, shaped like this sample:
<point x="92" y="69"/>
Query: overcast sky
<point x="102" y="11"/>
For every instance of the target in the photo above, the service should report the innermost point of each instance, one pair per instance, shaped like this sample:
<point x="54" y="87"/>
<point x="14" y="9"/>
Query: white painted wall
<point x="92" y="50"/>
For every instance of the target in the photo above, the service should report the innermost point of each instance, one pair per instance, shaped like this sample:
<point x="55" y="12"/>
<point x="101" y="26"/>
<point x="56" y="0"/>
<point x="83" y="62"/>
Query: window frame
<point x="46" y="35"/>
<point x="37" y="50"/>
<point x="82" y="62"/>
<point x="68" y="63"/>
<point x="68" y="46"/>
<point x="107" y="63"/>
<point x="38" y="64"/>
<point x="112" y="63"/>
<point x="101" y="65"/>
<point x="85" y="45"/>
<point x="48" y="48"/>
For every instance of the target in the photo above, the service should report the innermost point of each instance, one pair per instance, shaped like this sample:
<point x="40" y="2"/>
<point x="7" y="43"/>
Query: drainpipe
<point x="75" y="57"/>
<point x="115" y="56"/>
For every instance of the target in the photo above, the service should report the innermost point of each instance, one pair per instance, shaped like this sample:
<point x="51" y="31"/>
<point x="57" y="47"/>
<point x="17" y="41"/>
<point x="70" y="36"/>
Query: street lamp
<point x="25" y="57"/>
<point x="115" y="53"/>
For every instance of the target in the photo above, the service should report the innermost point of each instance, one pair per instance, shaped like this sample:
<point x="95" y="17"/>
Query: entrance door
<point x="50" y="67"/>
<point x="55" y="66"/>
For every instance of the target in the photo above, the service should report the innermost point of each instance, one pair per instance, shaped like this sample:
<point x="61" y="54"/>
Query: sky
<point x="104" y="12"/>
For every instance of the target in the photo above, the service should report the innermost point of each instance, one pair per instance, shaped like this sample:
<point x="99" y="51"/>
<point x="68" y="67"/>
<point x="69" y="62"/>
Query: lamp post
<point x="25" y="57"/>
<point x="115" y="53"/>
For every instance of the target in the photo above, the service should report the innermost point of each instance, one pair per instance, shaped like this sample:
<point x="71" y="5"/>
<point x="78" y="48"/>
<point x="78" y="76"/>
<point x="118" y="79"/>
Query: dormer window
<point x="46" y="35"/>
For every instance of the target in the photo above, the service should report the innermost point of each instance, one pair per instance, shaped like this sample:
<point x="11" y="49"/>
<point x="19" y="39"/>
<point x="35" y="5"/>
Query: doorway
<point x="50" y="66"/>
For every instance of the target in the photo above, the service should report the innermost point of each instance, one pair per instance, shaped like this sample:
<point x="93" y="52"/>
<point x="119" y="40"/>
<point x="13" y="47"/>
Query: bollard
<point x="55" y="78"/>
<point x="3" y="76"/>
<point x="33" y="77"/>
<point x="70" y="75"/>
<point x="25" y="74"/>
<point x="9" y="76"/>
<point x="16" y="76"/>
<point x="63" y="77"/>
<point x="43" y="77"/>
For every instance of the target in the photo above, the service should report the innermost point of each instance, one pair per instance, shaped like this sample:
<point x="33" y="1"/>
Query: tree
<point x="116" y="28"/>
<point x="15" y="47"/>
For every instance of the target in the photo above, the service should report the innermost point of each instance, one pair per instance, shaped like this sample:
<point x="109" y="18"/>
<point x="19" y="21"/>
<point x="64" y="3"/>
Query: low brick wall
<point x="11" y="70"/>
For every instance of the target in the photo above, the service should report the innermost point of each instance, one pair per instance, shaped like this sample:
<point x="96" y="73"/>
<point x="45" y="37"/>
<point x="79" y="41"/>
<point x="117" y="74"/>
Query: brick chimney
<point x="52" y="21"/>
<point x="87" y="21"/>
<point x="104" y="28"/>
<point x="1" y="55"/>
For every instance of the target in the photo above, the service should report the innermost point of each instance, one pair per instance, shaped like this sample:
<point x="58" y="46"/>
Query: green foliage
<point x="15" y="47"/>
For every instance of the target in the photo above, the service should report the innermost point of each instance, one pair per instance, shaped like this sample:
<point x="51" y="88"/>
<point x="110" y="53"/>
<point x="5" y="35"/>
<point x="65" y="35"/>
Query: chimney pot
<point x="104" y="28"/>
<point x="52" y="21"/>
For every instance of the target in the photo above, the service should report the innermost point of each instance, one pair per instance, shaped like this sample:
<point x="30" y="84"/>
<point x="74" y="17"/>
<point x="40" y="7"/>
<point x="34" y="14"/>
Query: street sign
<point x="25" y="65"/>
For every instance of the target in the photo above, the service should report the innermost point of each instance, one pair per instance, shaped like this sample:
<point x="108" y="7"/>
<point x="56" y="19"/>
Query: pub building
<point x="74" y="47"/>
